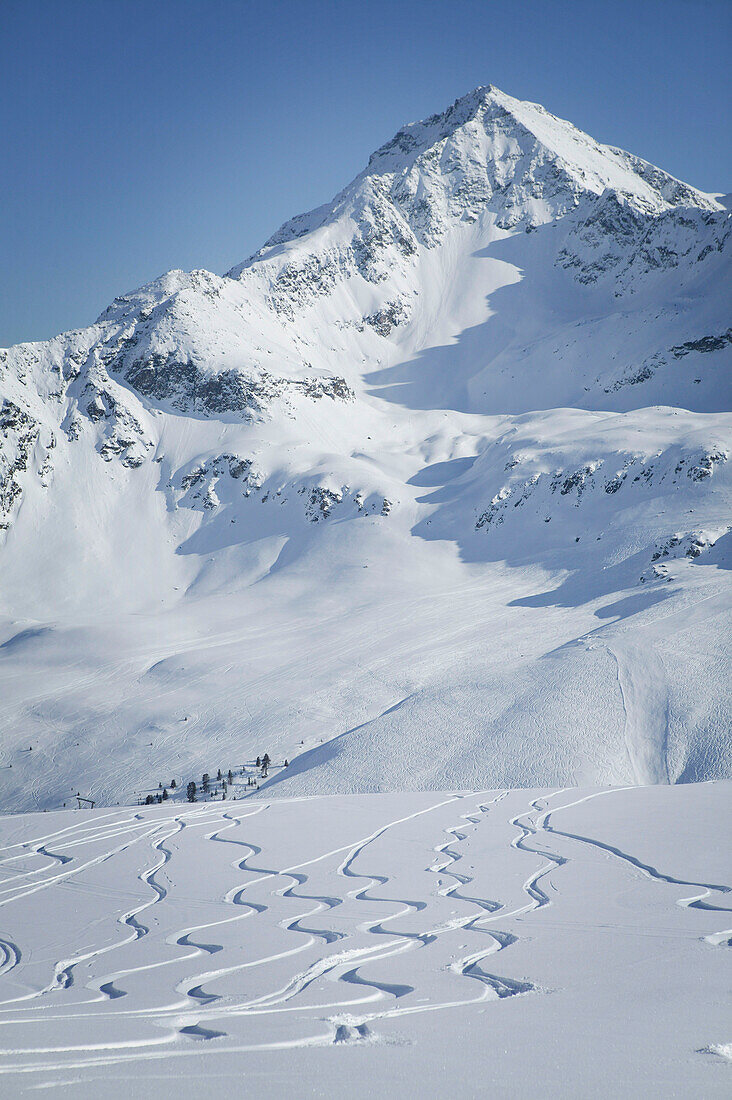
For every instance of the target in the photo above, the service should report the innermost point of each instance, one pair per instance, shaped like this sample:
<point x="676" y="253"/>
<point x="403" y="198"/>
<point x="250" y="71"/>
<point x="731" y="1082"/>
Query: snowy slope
<point x="444" y="944"/>
<point x="432" y="489"/>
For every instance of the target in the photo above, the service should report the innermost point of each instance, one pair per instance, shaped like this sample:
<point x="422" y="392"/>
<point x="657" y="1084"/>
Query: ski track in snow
<point x="697" y="901"/>
<point x="334" y="975"/>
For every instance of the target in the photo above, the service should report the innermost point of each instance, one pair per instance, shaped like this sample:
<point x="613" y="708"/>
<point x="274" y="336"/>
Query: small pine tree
<point x="191" y="791"/>
<point x="173" y="784"/>
<point x="265" y="760"/>
<point x="149" y="800"/>
<point x="230" y="777"/>
<point x="218" y="774"/>
<point x="287" y="764"/>
<point x="160" y="786"/>
<point x="259" y="763"/>
<point x="204" y="782"/>
<point x="165" y="794"/>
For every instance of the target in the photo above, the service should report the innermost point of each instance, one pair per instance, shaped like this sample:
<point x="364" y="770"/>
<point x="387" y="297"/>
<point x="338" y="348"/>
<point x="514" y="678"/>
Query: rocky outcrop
<point x="617" y="238"/>
<point x="197" y="488"/>
<point x="390" y="316"/>
<point x="637" y="471"/>
<point x="19" y="432"/>
<point x="192" y="387"/>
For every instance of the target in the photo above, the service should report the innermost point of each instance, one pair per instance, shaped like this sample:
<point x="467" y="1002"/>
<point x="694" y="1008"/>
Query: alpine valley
<point x="431" y="493"/>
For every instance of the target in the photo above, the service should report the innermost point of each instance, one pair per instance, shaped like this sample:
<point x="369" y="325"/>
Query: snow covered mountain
<point x="432" y="490"/>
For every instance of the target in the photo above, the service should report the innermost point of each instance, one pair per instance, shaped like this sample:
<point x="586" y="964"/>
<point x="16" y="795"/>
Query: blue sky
<point x="140" y="135"/>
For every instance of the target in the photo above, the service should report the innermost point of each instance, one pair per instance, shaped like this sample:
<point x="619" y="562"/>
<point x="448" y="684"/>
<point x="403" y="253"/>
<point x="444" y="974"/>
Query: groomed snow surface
<point x="569" y="942"/>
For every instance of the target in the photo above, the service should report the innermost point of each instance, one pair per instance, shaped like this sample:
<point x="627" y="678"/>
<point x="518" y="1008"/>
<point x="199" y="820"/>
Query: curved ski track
<point x="335" y="931"/>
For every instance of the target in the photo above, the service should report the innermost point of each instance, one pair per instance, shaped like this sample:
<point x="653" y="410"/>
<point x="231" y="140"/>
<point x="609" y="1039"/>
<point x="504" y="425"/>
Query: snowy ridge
<point x="491" y="152"/>
<point x="452" y="448"/>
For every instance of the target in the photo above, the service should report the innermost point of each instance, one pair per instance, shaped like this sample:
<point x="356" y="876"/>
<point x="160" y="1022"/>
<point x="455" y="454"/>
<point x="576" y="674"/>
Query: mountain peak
<point x="487" y="153"/>
<point x="425" y="132"/>
<point x="513" y="126"/>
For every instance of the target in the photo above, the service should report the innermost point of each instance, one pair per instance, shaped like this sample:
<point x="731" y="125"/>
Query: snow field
<point x="441" y="942"/>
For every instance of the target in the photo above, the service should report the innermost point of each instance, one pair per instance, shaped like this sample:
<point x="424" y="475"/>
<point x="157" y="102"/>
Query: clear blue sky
<point x="140" y="135"/>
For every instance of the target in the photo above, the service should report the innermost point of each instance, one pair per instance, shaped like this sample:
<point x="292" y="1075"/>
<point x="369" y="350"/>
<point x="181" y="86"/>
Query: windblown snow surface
<point x="491" y="943"/>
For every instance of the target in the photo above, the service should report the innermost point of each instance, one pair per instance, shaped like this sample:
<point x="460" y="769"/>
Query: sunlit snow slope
<point x="432" y="490"/>
<point x="571" y="943"/>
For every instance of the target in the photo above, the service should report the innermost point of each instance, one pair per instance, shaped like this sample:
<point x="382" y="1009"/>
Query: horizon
<point x="223" y="158"/>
